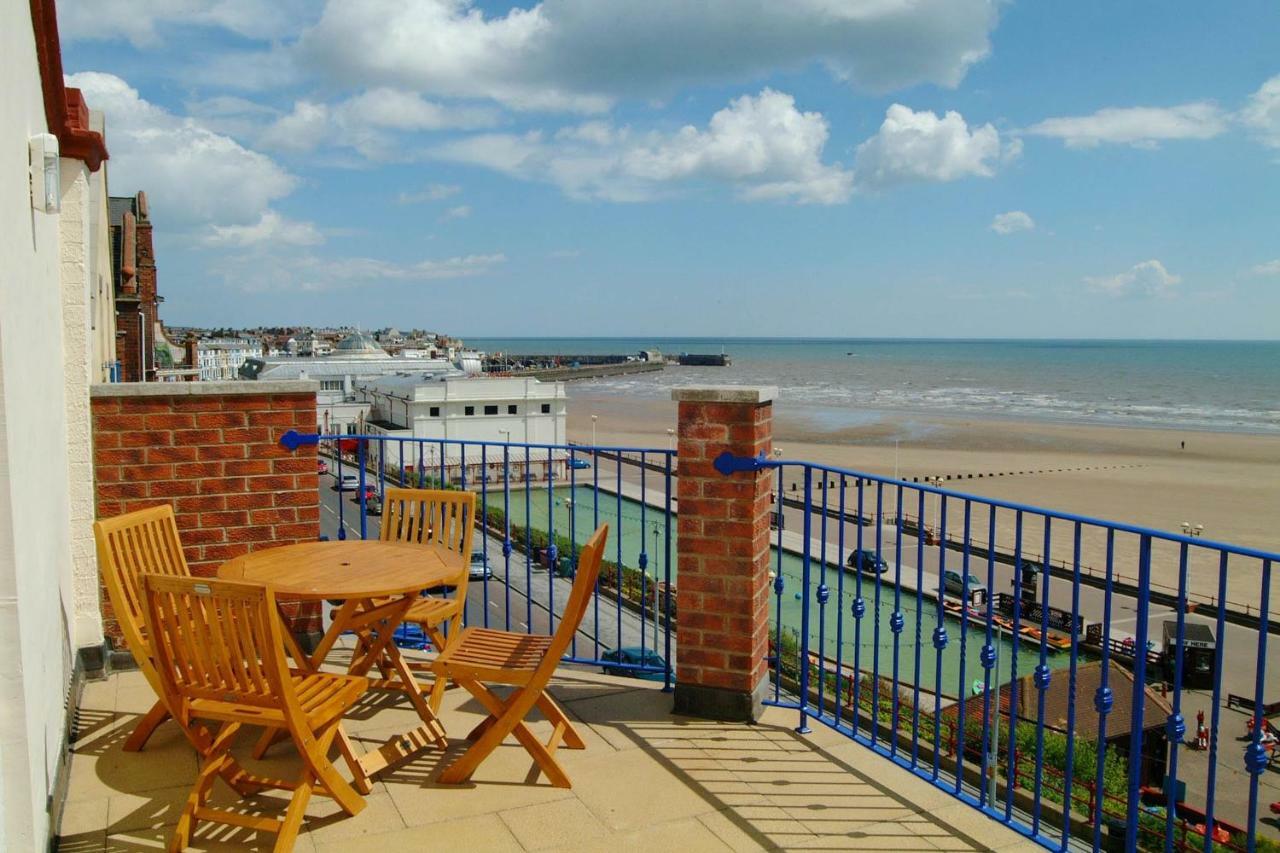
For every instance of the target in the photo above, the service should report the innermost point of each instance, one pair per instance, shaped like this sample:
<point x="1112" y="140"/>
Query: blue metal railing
<point x="533" y="502"/>
<point x="1007" y="733"/>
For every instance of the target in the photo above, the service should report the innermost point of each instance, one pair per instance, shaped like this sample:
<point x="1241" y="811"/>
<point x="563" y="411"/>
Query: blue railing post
<point x="1136" y="734"/>
<point x="803" y="727"/>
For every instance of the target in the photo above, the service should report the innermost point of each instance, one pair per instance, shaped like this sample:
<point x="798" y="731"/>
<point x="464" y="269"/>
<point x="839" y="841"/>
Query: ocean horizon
<point x="1220" y="385"/>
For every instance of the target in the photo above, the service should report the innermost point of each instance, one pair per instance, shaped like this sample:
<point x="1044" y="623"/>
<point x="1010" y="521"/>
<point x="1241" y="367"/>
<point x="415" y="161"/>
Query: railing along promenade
<point x="897" y="660"/>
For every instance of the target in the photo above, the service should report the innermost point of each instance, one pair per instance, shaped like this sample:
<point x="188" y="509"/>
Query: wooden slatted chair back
<point x="218" y="640"/>
<point x="431" y="517"/>
<point x="129" y="546"/>
<point x="584" y="583"/>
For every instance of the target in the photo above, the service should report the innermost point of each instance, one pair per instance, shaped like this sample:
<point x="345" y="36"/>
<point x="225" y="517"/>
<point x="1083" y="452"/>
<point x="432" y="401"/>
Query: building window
<point x="435" y="411"/>
<point x="469" y="410"/>
<point x="546" y="408"/>
<point x="511" y="409"/>
<point x="330" y="384"/>
<point x="491" y="410"/>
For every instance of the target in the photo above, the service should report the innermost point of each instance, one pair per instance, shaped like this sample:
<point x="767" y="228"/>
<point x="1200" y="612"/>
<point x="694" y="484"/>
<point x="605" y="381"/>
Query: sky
<point x="883" y="168"/>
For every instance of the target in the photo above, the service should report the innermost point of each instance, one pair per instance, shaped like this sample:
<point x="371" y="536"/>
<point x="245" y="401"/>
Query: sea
<point x="1231" y="386"/>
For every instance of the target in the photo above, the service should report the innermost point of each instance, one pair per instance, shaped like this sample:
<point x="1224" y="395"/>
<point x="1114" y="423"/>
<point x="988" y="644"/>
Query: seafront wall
<point x="587" y="371"/>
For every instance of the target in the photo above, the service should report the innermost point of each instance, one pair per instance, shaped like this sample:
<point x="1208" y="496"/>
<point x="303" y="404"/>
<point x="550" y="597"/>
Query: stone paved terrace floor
<point x="648" y="780"/>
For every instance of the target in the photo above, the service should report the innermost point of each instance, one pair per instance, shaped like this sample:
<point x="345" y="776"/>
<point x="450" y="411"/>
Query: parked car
<point x="322" y="467"/>
<point x="346" y="483"/>
<point x="868" y="562"/>
<point x="578" y="463"/>
<point x="954" y="584"/>
<point x="479" y="568"/>
<point x="634" y="656"/>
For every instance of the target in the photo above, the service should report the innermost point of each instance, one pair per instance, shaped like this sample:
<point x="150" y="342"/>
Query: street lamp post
<point x="671" y="439"/>
<point x="936" y="482"/>
<point x="593" y="430"/>
<point x="1192" y="530"/>
<point x="506" y="475"/>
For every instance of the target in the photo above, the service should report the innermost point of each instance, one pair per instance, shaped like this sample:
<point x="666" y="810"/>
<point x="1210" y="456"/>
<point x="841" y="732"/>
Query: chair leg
<point x="214" y="758"/>
<point x="558" y="718"/>
<point x="315" y="752"/>
<point x="292" y="822"/>
<point x="554" y="714"/>
<point x="359" y="780"/>
<point x="146" y="726"/>
<point x="439" y="683"/>
<point x="231" y="771"/>
<point x="268" y="739"/>
<point x="508" y="719"/>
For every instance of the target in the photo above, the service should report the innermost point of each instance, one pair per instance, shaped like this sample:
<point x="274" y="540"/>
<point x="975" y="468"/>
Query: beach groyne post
<point x="723" y="552"/>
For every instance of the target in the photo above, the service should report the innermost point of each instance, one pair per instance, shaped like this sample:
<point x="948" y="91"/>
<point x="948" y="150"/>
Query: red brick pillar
<point x="212" y="451"/>
<point x="723" y="552"/>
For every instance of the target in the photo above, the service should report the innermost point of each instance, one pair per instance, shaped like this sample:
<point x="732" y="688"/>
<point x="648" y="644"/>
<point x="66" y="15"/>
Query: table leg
<point x="375" y="650"/>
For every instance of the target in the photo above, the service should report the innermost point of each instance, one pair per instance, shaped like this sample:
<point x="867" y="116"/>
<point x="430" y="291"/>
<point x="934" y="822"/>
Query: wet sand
<point x="1228" y="482"/>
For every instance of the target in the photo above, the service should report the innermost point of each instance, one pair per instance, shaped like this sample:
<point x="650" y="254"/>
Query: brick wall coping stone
<point x="204" y="389"/>
<point x="756" y="394"/>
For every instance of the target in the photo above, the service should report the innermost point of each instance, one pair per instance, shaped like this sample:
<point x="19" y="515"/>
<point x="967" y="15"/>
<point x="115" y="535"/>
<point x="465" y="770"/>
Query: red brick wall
<point x="723" y="545"/>
<point x="213" y="453"/>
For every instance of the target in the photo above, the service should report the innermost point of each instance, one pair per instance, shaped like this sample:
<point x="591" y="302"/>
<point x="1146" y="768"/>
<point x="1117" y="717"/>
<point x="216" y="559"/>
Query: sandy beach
<point x="1228" y="482"/>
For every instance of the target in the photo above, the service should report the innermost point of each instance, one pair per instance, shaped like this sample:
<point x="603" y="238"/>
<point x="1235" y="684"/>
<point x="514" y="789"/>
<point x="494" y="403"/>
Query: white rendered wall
<point x="102" y="302"/>
<point x="35" y="554"/>
<point x="80" y="269"/>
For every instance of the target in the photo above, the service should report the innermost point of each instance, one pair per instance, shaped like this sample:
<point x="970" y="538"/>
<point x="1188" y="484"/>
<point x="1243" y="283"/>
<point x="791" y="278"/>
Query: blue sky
<point x="733" y="167"/>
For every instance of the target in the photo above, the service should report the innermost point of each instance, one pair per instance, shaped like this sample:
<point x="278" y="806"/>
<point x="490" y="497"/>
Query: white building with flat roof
<point x="459" y="408"/>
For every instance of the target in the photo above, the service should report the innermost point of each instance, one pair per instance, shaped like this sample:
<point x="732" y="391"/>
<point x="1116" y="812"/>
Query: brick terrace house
<point x="134" y="276"/>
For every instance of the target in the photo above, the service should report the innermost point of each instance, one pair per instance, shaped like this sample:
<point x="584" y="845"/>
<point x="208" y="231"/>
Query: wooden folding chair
<point x="129" y="546"/>
<point x="219" y="654"/>
<point x="527" y="662"/>
<point x="444" y="519"/>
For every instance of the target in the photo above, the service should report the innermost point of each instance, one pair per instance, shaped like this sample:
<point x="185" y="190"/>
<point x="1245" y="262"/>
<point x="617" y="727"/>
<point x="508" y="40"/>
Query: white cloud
<point x="269" y="231"/>
<point x="432" y="192"/>
<point x="193" y="176"/>
<point x="582" y="54"/>
<point x="462" y="211"/>
<point x="138" y="20"/>
<point x="1014" y="220"/>
<point x="1269" y="268"/>
<point x="920" y="146"/>
<point x="360" y="122"/>
<point x="1262" y="113"/>
<point x="1141" y="127"/>
<point x="1148" y="278"/>
<point x="286" y="271"/>
<point x="762" y="146"/>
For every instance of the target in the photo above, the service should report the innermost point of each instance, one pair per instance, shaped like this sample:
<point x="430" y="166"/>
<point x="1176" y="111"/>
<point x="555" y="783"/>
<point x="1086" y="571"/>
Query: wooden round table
<point x="352" y="568"/>
<point x="378" y="583"/>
